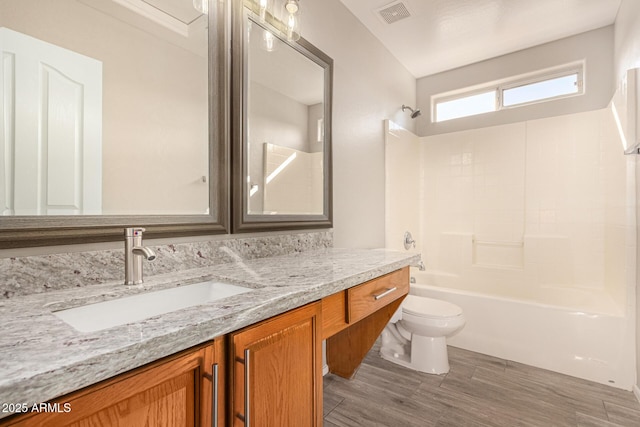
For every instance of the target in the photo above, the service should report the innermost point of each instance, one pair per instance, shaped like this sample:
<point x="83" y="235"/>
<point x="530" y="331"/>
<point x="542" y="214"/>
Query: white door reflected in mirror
<point x="111" y="106"/>
<point x="52" y="141"/>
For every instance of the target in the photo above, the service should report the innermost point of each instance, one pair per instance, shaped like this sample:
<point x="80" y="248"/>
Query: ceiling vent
<point x="393" y="12"/>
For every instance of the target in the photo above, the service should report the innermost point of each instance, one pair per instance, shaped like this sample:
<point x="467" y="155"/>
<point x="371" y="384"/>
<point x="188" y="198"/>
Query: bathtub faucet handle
<point x="409" y="241"/>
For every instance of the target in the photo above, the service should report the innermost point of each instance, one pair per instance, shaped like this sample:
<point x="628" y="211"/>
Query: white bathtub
<point x="597" y="346"/>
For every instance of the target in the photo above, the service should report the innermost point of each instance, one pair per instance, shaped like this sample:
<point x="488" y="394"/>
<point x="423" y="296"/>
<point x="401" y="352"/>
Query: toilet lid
<point x="429" y="307"/>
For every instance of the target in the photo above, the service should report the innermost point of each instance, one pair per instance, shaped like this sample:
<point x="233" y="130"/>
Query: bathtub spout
<point x="420" y="266"/>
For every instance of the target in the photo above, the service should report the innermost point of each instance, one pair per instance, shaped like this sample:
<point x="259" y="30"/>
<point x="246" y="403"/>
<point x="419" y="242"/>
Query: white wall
<point x="596" y="47"/>
<point x="627" y="55"/>
<point x="369" y="86"/>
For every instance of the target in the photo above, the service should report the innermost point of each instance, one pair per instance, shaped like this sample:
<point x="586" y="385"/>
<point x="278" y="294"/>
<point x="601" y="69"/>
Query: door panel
<point x="282" y="357"/>
<point x="51" y="129"/>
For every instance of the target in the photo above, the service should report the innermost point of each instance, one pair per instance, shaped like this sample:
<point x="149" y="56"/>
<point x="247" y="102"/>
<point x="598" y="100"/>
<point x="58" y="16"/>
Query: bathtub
<point x="595" y="344"/>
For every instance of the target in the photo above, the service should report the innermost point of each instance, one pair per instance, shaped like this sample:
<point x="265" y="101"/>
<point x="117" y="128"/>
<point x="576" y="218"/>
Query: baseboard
<point x="325" y="371"/>
<point x="636" y="391"/>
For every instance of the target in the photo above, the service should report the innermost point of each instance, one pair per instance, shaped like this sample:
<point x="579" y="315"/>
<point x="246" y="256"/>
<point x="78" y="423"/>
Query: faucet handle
<point x="408" y="240"/>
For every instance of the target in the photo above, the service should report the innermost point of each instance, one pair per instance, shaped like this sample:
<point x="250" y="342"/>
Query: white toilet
<point x="419" y="339"/>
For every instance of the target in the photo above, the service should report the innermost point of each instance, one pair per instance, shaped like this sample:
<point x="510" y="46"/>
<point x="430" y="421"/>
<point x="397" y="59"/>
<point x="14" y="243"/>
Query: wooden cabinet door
<point x="277" y="375"/>
<point x="175" y="392"/>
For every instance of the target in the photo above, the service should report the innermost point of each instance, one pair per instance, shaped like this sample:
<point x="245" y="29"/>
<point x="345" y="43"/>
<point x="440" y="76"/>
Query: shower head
<point x="414" y="113"/>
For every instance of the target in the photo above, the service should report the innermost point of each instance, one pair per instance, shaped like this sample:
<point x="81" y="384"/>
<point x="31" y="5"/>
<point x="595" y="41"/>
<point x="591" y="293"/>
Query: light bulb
<point x="265" y="7"/>
<point x="201" y="6"/>
<point x="292" y="6"/>
<point x="290" y="19"/>
<point x="269" y="41"/>
<point x="293" y="27"/>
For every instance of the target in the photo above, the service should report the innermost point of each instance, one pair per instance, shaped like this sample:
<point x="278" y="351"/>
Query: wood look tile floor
<point x="478" y="391"/>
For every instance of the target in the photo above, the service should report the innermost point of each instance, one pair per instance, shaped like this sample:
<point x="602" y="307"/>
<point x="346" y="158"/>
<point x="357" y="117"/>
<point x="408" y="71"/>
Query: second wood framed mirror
<point x="281" y="124"/>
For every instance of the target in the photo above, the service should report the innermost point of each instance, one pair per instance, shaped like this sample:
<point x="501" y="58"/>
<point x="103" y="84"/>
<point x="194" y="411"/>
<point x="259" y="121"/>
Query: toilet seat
<point x="429" y="308"/>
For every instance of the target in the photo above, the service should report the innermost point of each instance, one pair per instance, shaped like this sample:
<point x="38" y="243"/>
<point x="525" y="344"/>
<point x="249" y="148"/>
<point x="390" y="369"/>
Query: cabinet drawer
<point x="364" y="299"/>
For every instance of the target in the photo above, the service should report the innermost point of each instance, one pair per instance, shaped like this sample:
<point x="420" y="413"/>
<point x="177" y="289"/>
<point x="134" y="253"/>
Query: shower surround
<point x="539" y="212"/>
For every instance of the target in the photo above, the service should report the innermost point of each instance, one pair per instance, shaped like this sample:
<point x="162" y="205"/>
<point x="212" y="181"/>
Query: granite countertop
<point x="41" y="357"/>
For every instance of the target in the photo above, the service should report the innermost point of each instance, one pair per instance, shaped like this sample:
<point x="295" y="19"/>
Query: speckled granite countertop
<point x="41" y="357"/>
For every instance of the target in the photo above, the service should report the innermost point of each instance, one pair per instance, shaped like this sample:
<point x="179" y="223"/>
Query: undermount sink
<point x="107" y="314"/>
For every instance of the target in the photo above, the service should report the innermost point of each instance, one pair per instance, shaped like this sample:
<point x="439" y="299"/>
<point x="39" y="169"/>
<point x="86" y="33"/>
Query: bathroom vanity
<point x="237" y="361"/>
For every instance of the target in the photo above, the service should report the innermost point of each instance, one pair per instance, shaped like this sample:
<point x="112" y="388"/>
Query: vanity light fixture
<point x="266" y="7"/>
<point x="201" y="6"/>
<point x="292" y="6"/>
<point x="291" y="19"/>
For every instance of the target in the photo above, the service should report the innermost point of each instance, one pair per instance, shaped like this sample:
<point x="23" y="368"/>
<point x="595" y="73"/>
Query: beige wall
<point x="595" y="47"/>
<point x="627" y="37"/>
<point x="369" y="86"/>
<point x="627" y="55"/>
<point x="276" y="119"/>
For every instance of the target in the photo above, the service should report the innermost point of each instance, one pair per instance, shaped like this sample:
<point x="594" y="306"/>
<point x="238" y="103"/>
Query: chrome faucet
<point x="134" y="253"/>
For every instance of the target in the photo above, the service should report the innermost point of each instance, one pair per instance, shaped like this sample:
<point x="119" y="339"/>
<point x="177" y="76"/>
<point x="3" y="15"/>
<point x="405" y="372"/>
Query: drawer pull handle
<point x="385" y="293"/>
<point x="246" y="387"/>
<point x="215" y="395"/>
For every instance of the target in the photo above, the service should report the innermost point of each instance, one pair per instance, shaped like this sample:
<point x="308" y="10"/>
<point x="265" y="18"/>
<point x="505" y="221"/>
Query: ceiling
<point x="440" y="35"/>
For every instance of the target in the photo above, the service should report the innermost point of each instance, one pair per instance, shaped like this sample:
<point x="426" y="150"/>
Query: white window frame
<point x="468" y="92"/>
<point x="500" y="86"/>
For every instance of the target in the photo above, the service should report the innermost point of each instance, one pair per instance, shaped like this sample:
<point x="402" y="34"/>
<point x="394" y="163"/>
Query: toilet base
<point x="427" y="354"/>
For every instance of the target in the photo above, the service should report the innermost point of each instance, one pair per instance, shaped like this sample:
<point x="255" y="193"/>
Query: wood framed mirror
<point x="281" y="124"/>
<point x="115" y="114"/>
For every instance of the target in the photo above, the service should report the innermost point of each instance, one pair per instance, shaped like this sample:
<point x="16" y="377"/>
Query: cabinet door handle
<point x="214" y="404"/>
<point x="246" y="387"/>
<point x="385" y="293"/>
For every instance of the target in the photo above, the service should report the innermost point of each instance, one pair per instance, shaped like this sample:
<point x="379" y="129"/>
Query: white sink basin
<point x="107" y="314"/>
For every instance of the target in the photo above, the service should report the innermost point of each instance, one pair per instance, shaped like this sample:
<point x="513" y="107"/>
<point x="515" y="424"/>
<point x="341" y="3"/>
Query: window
<point x="466" y="106"/>
<point x="541" y="90"/>
<point x="546" y="85"/>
